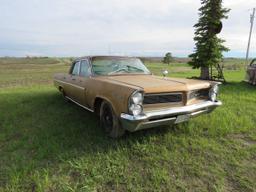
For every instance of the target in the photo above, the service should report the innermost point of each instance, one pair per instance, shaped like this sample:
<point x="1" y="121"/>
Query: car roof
<point x="104" y="57"/>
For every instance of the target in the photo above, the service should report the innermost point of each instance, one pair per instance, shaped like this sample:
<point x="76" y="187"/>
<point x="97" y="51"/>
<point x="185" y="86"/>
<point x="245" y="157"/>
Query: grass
<point x="47" y="144"/>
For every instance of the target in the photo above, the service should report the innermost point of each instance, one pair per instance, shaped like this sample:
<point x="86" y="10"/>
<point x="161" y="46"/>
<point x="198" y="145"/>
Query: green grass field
<point x="47" y="144"/>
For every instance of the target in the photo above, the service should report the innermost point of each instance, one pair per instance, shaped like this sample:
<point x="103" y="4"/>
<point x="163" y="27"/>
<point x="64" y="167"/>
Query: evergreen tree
<point x="168" y="58"/>
<point x="209" y="48"/>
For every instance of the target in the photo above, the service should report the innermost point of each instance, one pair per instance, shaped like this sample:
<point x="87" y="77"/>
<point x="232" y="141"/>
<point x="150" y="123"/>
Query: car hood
<point x="156" y="84"/>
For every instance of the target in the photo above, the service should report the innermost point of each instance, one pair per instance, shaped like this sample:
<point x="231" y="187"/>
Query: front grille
<point x="162" y="98"/>
<point x="199" y="94"/>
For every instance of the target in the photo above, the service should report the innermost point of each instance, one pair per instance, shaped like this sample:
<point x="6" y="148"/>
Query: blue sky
<point x="120" y="27"/>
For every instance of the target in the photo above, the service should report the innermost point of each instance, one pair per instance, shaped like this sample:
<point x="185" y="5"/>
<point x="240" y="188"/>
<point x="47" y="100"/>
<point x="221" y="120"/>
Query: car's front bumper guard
<point x="166" y="116"/>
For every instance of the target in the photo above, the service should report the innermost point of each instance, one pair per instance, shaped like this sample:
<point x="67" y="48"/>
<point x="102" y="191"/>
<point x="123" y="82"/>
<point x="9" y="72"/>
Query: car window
<point x="75" y="70"/>
<point x="85" y="68"/>
<point x="110" y="66"/>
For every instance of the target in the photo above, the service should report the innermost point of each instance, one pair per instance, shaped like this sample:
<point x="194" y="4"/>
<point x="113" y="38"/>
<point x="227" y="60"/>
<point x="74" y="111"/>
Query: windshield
<point x="111" y="66"/>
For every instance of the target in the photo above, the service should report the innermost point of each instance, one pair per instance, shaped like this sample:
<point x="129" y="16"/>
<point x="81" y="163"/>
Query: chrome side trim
<point x="79" y="104"/>
<point x="70" y="84"/>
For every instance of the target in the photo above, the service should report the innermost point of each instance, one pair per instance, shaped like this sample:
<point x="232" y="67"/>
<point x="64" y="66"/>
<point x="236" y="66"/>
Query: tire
<point x="109" y="121"/>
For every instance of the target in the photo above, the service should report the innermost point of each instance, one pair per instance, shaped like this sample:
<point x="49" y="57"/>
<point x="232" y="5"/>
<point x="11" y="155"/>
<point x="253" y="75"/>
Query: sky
<point x="114" y="27"/>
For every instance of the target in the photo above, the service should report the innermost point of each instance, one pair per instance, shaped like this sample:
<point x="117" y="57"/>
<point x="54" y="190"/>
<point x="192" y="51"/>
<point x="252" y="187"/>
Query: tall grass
<point x="47" y="144"/>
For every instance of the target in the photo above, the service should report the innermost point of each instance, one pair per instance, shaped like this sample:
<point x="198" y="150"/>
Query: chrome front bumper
<point x="166" y="116"/>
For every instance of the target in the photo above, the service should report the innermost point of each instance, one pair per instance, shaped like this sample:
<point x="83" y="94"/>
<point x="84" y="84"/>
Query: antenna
<point x="250" y="35"/>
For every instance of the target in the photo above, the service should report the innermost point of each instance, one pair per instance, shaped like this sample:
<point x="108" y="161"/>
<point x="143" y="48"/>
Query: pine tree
<point x="209" y="48"/>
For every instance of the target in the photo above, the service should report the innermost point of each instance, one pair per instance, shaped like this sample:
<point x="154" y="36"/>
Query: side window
<point x="75" y="70"/>
<point x="85" y="69"/>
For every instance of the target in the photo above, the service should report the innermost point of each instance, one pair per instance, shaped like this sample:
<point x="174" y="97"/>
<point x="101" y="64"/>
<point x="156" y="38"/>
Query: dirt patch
<point x="246" y="140"/>
<point x="231" y="185"/>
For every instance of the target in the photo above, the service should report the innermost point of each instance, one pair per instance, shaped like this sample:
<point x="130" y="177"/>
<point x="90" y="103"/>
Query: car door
<point x="81" y="82"/>
<point x="70" y="78"/>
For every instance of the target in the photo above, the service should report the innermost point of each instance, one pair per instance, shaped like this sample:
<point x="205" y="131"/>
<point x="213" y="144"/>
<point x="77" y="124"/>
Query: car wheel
<point x="109" y="121"/>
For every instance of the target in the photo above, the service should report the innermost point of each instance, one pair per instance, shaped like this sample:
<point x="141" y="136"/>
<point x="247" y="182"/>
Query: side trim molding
<point x="70" y="84"/>
<point x="79" y="104"/>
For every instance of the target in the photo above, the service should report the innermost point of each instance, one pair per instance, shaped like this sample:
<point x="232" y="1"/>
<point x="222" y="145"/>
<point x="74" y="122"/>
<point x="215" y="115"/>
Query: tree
<point x="168" y="58"/>
<point x="209" y="48"/>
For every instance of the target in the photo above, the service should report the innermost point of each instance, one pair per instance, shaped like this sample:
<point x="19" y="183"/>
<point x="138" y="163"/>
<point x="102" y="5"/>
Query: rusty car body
<point x="127" y="96"/>
<point x="251" y="73"/>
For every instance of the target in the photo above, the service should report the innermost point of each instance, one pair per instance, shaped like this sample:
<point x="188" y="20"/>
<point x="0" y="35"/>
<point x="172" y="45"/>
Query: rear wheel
<point x="109" y="121"/>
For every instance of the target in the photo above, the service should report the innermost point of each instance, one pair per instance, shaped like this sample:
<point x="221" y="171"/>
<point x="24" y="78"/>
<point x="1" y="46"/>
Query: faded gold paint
<point x="117" y="89"/>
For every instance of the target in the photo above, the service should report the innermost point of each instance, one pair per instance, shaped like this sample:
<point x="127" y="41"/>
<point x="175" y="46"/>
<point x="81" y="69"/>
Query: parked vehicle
<point x="127" y="96"/>
<point x="251" y="73"/>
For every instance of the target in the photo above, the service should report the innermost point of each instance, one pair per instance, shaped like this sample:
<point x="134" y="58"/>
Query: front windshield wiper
<point x="126" y="70"/>
<point x="118" y="70"/>
<point x="129" y="66"/>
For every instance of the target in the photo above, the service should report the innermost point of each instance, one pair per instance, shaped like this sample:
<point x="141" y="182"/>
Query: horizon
<point x="138" y="56"/>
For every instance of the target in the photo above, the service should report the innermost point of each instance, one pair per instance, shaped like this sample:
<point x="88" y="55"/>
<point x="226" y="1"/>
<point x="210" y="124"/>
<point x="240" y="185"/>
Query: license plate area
<point x="182" y="118"/>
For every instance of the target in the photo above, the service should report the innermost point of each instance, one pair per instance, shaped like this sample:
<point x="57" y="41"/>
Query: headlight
<point x="135" y="109"/>
<point x="135" y="103"/>
<point x="214" y="93"/>
<point x="137" y="98"/>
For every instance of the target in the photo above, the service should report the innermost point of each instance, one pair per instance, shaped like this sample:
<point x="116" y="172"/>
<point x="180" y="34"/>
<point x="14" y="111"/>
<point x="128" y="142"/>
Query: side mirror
<point x="165" y="72"/>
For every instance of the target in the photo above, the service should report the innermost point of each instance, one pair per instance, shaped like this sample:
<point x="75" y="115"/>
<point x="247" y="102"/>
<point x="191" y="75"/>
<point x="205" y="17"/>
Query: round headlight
<point x="137" y="98"/>
<point x="135" y="109"/>
<point x="135" y="103"/>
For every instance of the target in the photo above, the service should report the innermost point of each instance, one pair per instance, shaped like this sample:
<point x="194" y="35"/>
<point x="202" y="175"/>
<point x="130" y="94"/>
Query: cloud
<point x="80" y="27"/>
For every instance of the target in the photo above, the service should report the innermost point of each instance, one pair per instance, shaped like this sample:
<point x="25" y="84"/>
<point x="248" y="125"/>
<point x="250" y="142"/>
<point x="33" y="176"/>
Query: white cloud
<point x="79" y="27"/>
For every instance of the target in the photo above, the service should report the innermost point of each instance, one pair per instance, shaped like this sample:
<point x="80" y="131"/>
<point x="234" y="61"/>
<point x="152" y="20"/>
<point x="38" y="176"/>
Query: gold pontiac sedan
<point x="128" y="97"/>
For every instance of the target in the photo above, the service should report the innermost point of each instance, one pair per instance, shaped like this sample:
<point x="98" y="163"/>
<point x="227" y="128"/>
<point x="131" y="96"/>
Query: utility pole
<point x="250" y="35"/>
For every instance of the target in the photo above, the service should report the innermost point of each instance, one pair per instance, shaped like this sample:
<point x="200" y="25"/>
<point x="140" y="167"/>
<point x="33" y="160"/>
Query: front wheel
<point x="109" y="121"/>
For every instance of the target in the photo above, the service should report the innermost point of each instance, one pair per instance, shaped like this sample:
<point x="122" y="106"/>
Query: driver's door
<point x="70" y="79"/>
<point x="81" y="82"/>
